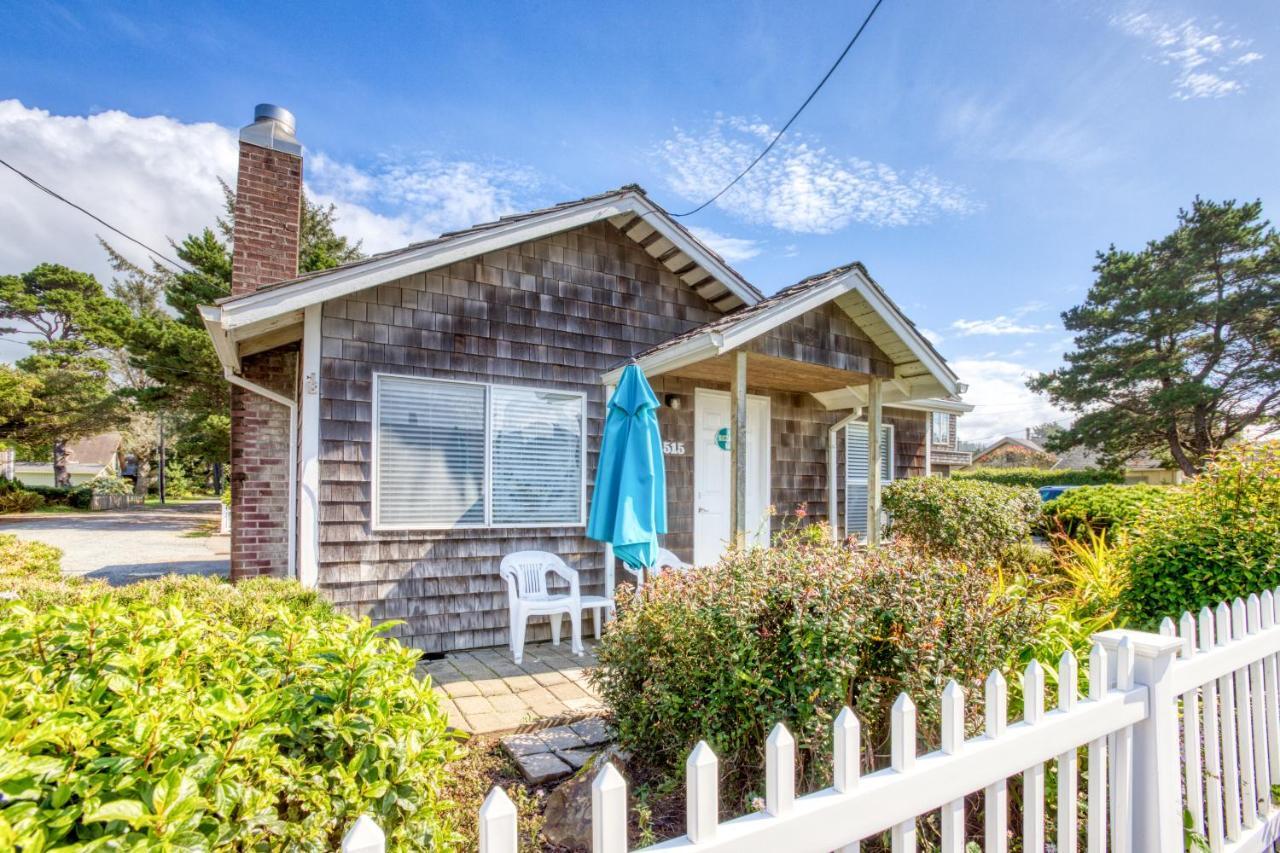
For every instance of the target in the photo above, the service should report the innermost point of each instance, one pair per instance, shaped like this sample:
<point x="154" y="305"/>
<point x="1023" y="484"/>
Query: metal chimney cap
<point x="272" y="128"/>
<point x="277" y="113"/>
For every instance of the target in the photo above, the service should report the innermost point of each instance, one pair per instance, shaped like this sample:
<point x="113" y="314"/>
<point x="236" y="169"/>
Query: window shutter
<point x="537" y="457"/>
<point x="431" y="449"/>
<point x="857" y="458"/>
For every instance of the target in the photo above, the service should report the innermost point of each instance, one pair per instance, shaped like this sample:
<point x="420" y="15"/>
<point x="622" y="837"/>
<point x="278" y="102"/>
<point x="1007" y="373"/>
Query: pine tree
<point x="1177" y="348"/>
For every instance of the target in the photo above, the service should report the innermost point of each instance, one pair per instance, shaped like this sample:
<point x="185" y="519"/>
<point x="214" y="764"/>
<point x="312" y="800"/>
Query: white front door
<point x="712" y="471"/>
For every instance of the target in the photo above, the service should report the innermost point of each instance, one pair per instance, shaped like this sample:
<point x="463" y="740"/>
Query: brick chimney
<point x="268" y="202"/>
<point x="264" y="251"/>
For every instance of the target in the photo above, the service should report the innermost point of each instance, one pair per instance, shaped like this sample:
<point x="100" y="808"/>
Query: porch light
<point x="672" y="401"/>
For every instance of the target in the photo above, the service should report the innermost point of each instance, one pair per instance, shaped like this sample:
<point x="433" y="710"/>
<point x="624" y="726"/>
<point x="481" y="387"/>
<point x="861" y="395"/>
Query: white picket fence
<point x="1182" y="722"/>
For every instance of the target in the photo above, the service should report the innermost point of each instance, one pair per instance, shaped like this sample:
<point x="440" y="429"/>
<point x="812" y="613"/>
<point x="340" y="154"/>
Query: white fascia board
<point x="695" y="349"/>
<point x="937" y="404"/>
<point x="260" y="306"/>
<point x="711" y="344"/>
<point x="908" y="334"/>
<point x="228" y="355"/>
<point x="774" y="316"/>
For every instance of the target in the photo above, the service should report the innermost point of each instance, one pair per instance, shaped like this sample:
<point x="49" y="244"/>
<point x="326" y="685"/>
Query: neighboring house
<point x="1141" y="469"/>
<point x="1013" y="452"/>
<point x="86" y="459"/>
<point x="402" y="422"/>
<point x="945" y="455"/>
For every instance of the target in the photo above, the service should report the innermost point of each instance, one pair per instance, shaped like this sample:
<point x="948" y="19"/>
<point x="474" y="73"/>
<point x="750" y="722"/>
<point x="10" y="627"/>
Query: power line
<point x="92" y="216"/>
<point x="794" y="115"/>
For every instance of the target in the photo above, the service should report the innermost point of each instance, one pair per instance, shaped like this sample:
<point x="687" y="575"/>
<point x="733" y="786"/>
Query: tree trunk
<point x="61" y="476"/>
<point x="1179" y="455"/>
<point x="142" y="476"/>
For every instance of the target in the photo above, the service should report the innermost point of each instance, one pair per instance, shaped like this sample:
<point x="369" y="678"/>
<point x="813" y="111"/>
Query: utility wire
<point x="794" y="115"/>
<point x="92" y="216"/>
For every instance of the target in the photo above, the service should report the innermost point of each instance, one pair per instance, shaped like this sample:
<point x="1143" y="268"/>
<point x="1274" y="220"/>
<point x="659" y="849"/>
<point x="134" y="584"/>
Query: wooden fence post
<point x="1157" y="769"/>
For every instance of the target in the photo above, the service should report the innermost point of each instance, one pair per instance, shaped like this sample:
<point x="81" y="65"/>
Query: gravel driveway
<point x="127" y="545"/>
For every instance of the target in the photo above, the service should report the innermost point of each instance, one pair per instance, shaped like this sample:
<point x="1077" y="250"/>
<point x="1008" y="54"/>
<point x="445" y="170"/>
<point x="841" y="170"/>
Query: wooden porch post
<point x="873" y="461"/>
<point x="738" y="451"/>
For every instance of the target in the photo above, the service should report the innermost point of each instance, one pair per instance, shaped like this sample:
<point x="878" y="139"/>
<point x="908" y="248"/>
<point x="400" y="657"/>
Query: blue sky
<point x="973" y="155"/>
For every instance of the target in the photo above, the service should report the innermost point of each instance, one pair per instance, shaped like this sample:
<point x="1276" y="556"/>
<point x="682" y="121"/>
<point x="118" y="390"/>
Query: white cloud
<point x="157" y="178"/>
<point x="732" y="249"/>
<point x="428" y="195"/>
<point x="931" y="336"/>
<point x="1004" y="129"/>
<point x="1206" y="61"/>
<point x="1000" y="325"/>
<point x="800" y="186"/>
<point x="1003" y="405"/>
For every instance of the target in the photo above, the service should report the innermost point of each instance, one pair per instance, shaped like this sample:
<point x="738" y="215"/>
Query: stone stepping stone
<point x="542" y="767"/>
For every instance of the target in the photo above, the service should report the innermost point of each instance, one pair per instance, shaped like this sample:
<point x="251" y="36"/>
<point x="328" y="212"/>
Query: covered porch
<point x="775" y="404"/>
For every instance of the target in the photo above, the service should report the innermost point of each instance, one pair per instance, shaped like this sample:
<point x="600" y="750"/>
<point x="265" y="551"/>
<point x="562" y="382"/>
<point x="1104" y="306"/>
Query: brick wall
<point x="268" y="213"/>
<point x="260" y="466"/>
<point x="265" y="251"/>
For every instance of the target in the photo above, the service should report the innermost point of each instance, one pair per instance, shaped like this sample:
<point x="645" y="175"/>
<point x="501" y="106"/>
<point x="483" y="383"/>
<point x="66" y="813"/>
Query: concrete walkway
<point x="484" y="691"/>
<point x="123" y="546"/>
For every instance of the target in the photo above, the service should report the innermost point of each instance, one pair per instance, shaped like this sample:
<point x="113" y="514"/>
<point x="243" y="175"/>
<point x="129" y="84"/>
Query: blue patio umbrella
<point x="629" y="502"/>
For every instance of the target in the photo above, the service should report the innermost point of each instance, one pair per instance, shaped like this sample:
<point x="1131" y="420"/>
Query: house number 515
<point x="673" y="448"/>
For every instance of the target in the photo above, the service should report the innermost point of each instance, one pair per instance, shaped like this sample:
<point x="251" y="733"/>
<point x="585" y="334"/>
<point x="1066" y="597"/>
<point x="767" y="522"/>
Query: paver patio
<point x="484" y="691"/>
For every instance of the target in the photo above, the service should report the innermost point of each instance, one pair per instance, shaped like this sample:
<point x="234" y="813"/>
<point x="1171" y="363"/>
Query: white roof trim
<point x="264" y="304"/>
<point x="714" y="343"/>
<point x="937" y="404"/>
<point x="228" y="352"/>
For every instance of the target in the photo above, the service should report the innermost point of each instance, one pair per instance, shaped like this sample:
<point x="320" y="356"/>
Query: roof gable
<point x="627" y="208"/>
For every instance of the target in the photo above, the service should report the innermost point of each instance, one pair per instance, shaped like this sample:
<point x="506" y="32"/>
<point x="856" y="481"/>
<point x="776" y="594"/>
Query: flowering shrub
<point x="1102" y="509"/>
<point x="190" y="714"/>
<point x="793" y="634"/>
<point x="1214" y="540"/>
<point x="961" y="519"/>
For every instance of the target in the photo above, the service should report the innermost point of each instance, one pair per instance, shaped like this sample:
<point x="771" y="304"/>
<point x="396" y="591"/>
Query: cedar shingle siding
<point x="555" y="313"/>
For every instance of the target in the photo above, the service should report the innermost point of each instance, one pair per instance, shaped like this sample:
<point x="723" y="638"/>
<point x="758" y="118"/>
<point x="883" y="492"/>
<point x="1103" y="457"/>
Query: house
<point x="1010" y="451"/>
<point x="945" y="455"/>
<point x="1141" y="469"/>
<point x="402" y="422"/>
<point x="87" y="458"/>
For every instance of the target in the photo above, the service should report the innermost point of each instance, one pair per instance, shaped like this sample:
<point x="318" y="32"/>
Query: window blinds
<point x="431" y="448"/>
<point x="537" y="462"/>
<point x="455" y="454"/>
<point x="857" y="459"/>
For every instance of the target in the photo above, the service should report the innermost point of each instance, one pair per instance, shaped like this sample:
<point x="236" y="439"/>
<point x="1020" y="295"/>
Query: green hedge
<point x="191" y="714"/>
<point x="77" y="497"/>
<point x="1216" y="539"/>
<point x="21" y="560"/>
<point x="963" y="519"/>
<point x="1104" y="509"/>
<point x="1037" y="477"/>
<point x="794" y="633"/>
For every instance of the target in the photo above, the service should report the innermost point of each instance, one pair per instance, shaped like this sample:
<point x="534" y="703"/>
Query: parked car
<point x="1048" y="493"/>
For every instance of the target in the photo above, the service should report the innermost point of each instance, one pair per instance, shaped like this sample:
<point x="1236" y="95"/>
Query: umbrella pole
<point x="609" y="579"/>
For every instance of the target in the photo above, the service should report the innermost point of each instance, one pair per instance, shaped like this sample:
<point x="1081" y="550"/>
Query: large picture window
<point x="460" y="454"/>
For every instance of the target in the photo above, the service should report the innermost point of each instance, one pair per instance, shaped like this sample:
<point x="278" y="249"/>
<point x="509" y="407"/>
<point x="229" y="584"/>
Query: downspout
<point x="292" y="406"/>
<point x="833" y="465"/>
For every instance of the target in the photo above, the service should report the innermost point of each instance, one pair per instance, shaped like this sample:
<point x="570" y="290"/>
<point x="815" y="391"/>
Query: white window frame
<point x="889" y="460"/>
<point x="487" y="478"/>
<point x="946" y="435"/>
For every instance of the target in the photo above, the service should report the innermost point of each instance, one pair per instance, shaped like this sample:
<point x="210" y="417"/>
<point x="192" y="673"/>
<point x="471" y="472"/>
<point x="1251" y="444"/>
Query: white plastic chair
<point x="666" y="560"/>
<point x="527" y="595"/>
